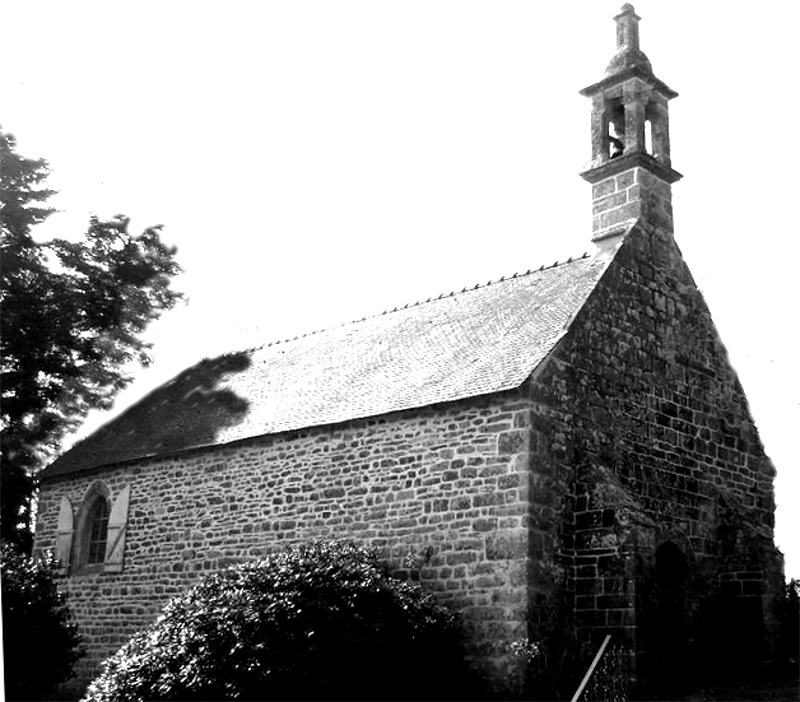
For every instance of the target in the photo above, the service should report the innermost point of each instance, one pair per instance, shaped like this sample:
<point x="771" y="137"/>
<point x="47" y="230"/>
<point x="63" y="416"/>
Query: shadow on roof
<point x="188" y="411"/>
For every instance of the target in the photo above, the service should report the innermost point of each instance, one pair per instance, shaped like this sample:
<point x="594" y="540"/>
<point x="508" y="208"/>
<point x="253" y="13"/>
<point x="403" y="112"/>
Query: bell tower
<point x="630" y="171"/>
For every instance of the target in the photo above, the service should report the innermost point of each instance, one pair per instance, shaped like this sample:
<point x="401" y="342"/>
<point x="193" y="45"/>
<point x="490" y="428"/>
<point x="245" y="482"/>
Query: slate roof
<point x="479" y="341"/>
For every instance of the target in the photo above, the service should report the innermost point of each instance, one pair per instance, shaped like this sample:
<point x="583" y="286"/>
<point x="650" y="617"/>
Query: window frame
<point x="97" y="530"/>
<point x="96" y="497"/>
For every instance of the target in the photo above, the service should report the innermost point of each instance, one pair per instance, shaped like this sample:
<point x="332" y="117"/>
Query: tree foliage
<point x="319" y="621"/>
<point x="72" y="318"/>
<point x="40" y="639"/>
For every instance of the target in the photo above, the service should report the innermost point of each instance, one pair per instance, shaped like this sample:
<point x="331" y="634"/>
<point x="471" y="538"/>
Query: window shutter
<point x="64" y="533"/>
<point x="117" y="528"/>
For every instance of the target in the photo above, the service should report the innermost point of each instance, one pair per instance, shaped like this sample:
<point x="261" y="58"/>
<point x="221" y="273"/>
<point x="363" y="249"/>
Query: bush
<point x="321" y="621"/>
<point x="40" y="641"/>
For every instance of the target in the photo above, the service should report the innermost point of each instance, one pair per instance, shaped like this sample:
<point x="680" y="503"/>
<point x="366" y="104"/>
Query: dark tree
<point x="41" y="641"/>
<point x="72" y="318"/>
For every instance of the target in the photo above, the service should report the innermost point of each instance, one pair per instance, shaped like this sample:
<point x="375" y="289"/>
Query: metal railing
<point x="591" y="669"/>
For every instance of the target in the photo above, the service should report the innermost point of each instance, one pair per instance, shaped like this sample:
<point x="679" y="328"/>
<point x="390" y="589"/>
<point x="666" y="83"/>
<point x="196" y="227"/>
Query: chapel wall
<point x="649" y="432"/>
<point x="448" y="486"/>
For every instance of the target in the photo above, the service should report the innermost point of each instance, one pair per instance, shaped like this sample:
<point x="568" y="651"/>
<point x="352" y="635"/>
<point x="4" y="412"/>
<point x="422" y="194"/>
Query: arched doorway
<point x="669" y="607"/>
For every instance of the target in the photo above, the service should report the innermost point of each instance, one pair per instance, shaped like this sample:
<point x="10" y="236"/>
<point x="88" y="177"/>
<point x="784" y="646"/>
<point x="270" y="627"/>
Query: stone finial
<point x="628" y="52"/>
<point x="627" y="27"/>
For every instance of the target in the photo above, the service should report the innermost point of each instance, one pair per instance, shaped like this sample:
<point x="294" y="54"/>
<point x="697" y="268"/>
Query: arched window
<point x="98" y="531"/>
<point x="95" y="541"/>
<point x="91" y="532"/>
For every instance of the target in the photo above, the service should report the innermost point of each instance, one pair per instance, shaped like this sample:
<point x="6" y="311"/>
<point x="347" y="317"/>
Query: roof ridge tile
<point x="441" y="296"/>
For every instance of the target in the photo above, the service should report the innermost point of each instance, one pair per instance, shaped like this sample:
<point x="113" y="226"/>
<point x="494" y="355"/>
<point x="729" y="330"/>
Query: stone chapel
<point x="575" y="429"/>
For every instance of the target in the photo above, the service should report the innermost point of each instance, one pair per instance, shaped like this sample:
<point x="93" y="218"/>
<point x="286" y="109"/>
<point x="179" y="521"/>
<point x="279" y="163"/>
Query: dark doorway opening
<point x="670" y="661"/>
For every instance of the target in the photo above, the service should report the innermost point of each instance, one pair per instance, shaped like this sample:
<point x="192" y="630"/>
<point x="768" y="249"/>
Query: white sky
<point x="319" y="161"/>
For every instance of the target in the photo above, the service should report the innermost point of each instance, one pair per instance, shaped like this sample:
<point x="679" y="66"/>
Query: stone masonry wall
<point x="650" y="440"/>
<point x="448" y="485"/>
<point x="634" y="433"/>
<point x="633" y="194"/>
